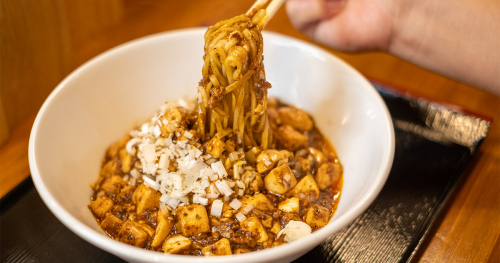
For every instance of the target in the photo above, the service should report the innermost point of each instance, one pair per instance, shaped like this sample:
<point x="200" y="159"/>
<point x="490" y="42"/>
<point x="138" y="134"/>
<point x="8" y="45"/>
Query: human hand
<point x="348" y="25"/>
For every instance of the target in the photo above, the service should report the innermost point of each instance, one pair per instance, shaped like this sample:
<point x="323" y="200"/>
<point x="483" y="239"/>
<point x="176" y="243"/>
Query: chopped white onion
<point x="206" y="173"/>
<point x="188" y="135"/>
<point x="168" y="141"/>
<point x="230" y="183"/>
<point x="213" y="189"/>
<point x="183" y="199"/>
<point x="241" y="192"/>
<point x="235" y="204"/>
<point x="200" y="200"/>
<point x="170" y="201"/>
<point x="177" y="181"/>
<point x="236" y="172"/>
<point x="216" y="208"/>
<point x="210" y="160"/>
<point x="164" y="162"/>
<point x="131" y="143"/>
<point x="240" y="184"/>
<point x="218" y="167"/>
<point x="241" y="217"/>
<point x="157" y="131"/>
<point x="150" y="182"/>
<point x="213" y="176"/>
<point x="163" y="208"/>
<point x="295" y="230"/>
<point x="135" y="173"/>
<point x="181" y="144"/>
<point x="205" y="183"/>
<point x="223" y="187"/>
<point x="145" y="128"/>
<point x="150" y="168"/>
<point x="233" y="157"/>
<point x="212" y="196"/>
<point x="132" y="181"/>
<point x="160" y="142"/>
<point x="248" y="208"/>
<point x="148" y="153"/>
<point x="195" y="168"/>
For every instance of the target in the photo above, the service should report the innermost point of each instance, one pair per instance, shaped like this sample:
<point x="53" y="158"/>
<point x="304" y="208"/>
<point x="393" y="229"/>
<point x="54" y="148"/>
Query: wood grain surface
<point x="43" y="41"/>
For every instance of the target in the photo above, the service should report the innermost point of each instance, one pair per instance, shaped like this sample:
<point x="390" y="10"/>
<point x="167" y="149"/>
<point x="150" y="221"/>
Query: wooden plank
<point x="14" y="166"/>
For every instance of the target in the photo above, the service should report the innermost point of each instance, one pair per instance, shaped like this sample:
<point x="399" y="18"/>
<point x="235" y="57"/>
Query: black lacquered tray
<point x="434" y="144"/>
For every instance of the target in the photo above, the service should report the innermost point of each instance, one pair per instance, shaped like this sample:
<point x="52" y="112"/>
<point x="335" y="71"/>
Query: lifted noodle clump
<point x="233" y="90"/>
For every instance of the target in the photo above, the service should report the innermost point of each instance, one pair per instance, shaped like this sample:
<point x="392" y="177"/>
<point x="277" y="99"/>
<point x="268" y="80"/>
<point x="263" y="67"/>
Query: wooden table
<point x="59" y="37"/>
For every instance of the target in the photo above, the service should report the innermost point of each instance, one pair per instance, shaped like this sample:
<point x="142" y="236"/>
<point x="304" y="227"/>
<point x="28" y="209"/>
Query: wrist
<point x="408" y="26"/>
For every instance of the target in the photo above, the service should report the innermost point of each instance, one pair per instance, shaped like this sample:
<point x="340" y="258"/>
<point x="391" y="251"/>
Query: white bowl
<point x="103" y="99"/>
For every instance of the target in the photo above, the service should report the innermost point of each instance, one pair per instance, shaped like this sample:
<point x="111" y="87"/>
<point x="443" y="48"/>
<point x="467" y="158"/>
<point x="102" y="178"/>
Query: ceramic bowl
<point x="104" y="98"/>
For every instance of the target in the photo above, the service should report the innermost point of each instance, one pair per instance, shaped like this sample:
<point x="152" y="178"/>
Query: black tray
<point x="433" y="146"/>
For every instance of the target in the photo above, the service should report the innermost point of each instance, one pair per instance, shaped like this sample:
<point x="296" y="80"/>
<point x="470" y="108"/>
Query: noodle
<point x="234" y="88"/>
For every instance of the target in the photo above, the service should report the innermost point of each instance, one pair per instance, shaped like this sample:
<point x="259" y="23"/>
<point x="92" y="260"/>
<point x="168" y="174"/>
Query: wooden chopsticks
<point x="271" y="9"/>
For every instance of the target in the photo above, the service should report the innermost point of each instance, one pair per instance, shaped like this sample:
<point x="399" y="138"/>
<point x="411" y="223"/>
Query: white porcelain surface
<point x="100" y="101"/>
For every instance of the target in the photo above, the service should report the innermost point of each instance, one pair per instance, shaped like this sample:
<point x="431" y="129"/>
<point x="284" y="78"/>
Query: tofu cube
<point x="306" y="189"/>
<point x="219" y="248"/>
<point x="296" y="118"/>
<point x="109" y="169"/>
<point x="164" y="224"/>
<point x="268" y="222"/>
<point x="305" y="164"/>
<point x="176" y="244"/>
<point x="111" y="225"/>
<point x="126" y="160"/>
<point x="259" y="201"/>
<point x="215" y="147"/>
<point x="101" y="205"/>
<point x="291" y="139"/>
<point x="255" y="184"/>
<point x="317" y="216"/>
<point x="276" y="228"/>
<point x="145" y="198"/>
<point x="290" y="205"/>
<point x="229" y="213"/>
<point x="242" y="250"/>
<point x="112" y="184"/>
<point x="253" y="225"/>
<point x="267" y="159"/>
<point x="173" y="117"/>
<point x="147" y="228"/>
<point x="280" y="180"/>
<point x="113" y="149"/>
<point x="192" y="220"/>
<point x="126" y="192"/>
<point x="328" y="174"/>
<point x="132" y="233"/>
<point x="318" y="156"/>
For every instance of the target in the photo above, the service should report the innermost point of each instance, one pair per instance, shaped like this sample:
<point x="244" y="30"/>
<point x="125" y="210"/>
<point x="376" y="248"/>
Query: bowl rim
<point x="123" y="250"/>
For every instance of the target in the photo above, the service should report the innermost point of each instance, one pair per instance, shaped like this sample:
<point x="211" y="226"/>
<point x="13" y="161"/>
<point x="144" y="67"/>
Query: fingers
<point x="306" y="14"/>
